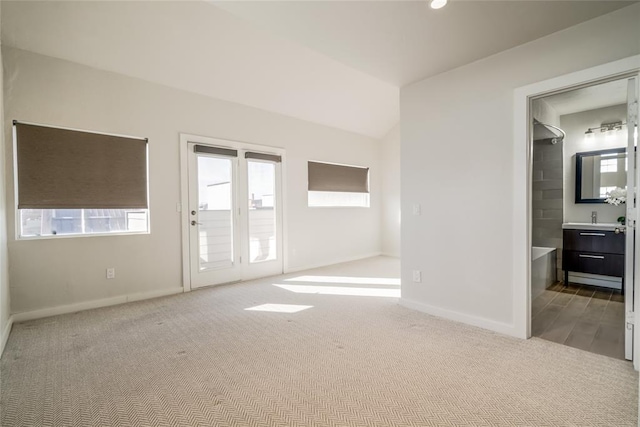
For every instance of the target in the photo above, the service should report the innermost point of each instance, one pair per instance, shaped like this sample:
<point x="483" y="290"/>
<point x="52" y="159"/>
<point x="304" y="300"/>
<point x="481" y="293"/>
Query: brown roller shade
<point x="68" y="169"/>
<point x="215" y="150"/>
<point x="262" y="156"/>
<point x="345" y="179"/>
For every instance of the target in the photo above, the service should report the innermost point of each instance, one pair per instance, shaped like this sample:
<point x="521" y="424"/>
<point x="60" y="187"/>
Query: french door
<point x="234" y="214"/>
<point x="632" y="250"/>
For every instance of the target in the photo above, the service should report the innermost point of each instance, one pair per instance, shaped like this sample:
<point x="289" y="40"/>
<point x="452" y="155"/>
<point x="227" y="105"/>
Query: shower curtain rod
<point x="563" y="134"/>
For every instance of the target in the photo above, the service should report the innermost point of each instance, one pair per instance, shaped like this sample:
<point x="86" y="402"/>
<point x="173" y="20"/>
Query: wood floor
<point x="580" y="316"/>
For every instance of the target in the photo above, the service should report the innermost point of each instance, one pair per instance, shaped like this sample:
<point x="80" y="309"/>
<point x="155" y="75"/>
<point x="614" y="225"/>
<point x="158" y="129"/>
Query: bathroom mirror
<point x="598" y="172"/>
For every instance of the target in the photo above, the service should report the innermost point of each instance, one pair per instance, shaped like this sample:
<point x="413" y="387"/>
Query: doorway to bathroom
<point x="582" y="245"/>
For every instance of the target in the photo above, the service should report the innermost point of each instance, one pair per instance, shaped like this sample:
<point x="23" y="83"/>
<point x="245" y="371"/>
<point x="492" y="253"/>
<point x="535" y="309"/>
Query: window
<point x="332" y="185"/>
<point x="608" y="165"/>
<point x="330" y="198"/>
<point x="605" y="190"/>
<point x="75" y="183"/>
<point x="52" y="222"/>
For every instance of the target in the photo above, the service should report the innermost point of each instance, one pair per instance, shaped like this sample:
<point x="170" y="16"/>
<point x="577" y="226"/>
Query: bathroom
<point x="578" y="219"/>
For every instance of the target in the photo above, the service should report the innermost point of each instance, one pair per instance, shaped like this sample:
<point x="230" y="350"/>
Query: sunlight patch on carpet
<point x="337" y="290"/>
<point x="343" y="279"/>
<point x="279" y="308"/>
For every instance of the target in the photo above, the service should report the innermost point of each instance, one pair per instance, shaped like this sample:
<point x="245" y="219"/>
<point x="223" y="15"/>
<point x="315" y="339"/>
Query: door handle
<point x="195" y="223"/>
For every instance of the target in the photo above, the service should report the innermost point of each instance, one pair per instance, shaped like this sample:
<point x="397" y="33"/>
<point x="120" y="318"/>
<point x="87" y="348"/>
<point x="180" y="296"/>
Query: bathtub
<point x="543" y="269"/>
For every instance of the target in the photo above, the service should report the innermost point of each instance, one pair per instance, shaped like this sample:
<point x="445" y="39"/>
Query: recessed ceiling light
<point x="437" y="4"/>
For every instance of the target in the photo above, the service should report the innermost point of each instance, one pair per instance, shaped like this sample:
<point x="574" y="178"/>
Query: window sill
<point x="73" y="236"/>
<point x="338" y="207"/>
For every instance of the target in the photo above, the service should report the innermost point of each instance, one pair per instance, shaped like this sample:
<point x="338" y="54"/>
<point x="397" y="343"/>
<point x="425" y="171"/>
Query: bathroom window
<point x="605" y="190"/>
<point x="608" y="165"/>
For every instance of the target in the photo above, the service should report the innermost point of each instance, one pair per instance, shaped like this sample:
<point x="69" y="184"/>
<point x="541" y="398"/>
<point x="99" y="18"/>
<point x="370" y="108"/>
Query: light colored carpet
<point x="201" y="359"/>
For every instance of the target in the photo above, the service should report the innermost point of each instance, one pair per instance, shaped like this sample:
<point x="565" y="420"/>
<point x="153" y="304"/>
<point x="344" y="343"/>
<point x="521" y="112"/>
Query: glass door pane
<point x="262" y="211"/>
<point x="215" y="220"/>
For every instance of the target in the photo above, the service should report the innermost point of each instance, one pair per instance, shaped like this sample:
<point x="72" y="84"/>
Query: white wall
<point x="5" y="325"/>
<point x="390" y="186"/>
<point x="55" y="272"/>
<point x="457" y="161"/>
<point x="575" y="126"/>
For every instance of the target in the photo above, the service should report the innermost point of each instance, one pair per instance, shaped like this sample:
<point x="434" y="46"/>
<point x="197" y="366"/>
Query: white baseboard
<point x="328" y="263"/>
<point x="5" y="335"/>
<point x="390" y="255"/>
<point x="481" y="322"/>
<point x="87" y="305"/>
<point x="596" y="280"/>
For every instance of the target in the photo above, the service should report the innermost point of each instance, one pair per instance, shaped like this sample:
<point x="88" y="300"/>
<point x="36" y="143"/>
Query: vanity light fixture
<point x="589" y="135"/>
<point x="606" y="127"/>
<point x="437" y="4"/>
<point x="613" y="126"/>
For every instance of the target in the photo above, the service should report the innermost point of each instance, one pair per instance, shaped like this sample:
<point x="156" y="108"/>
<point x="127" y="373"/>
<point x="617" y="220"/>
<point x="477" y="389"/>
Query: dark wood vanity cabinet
<point x="593" y="251"/>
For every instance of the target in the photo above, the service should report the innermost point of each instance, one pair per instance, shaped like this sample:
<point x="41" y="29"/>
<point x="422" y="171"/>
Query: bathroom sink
<point x="605" y="226"/>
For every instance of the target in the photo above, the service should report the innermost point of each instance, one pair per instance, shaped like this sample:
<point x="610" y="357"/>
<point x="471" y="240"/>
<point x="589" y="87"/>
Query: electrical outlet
<point x="417" y="209"/>
<point x="417" y="276"/>
<point x="111" y="273"/>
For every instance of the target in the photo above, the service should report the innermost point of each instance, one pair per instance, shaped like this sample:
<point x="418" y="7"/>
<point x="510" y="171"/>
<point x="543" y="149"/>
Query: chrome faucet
<point x="594" y="217"/>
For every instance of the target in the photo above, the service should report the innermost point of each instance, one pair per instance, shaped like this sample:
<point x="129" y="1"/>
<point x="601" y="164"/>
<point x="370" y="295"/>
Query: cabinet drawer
<point x="594" y="263"/>
<point x="607" y="242"/>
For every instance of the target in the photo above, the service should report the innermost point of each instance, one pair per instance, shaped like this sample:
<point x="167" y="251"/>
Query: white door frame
<point x="631" y="240"/>
<point x="521" y="213"/>
<point x="183" y="206"/>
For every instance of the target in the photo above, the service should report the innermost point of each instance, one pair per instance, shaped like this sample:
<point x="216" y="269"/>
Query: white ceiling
<point x="197" y="47"/>
<point x="337" y="63"/>
<point x="401" y="42"/>
<point x="589" y="98"/>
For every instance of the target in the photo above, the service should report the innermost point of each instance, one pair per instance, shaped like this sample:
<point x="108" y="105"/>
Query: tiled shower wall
<point x="547" y="197"/>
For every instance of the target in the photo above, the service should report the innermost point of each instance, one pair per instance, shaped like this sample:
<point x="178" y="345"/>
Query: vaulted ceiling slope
<point x="197" y="47"/>
<point x="401" y="42"/>
<point x="337" y="63"/>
